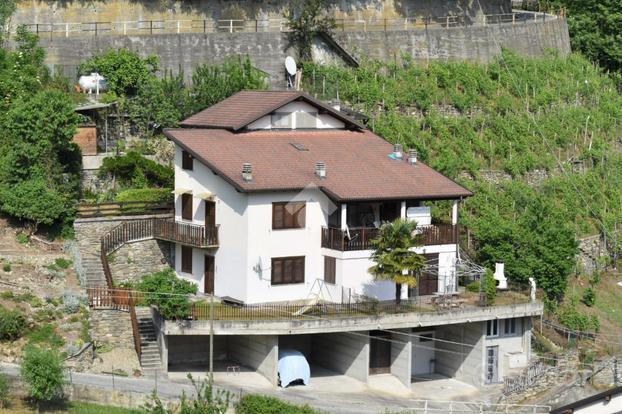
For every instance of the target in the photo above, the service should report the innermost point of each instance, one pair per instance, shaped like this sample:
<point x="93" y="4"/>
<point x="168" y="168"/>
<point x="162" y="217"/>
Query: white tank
<point x="93" y="83"/>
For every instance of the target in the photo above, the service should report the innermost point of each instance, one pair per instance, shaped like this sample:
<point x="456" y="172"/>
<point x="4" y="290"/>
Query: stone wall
<point x="592" y="251"/>
<point x="31" y="11"/>
<point x="134" y="260"/>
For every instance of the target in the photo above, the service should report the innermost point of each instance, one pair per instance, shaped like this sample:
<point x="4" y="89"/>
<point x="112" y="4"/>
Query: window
<point x="186" y="206"/>
<point x="186" y="160"/>
<point x="330" y="269"/>
<point x="509" y="327"/>
<point x="288" y="215"/>
<point x="281" y="120"/>
<point x="287" y="270"/>
<point x="306" y="120"/>
<point x="186" y="259"/>
<point x="492" y="328"/>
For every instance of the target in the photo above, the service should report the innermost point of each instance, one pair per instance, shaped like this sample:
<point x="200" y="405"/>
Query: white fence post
<point x="124" y="28"/>
<point x="178" y="27"/>
<point x="66" y="29"/>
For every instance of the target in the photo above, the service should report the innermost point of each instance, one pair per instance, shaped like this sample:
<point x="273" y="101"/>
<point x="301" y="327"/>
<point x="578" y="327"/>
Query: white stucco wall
<point x="324" y="121"/>
<point x="231" y="255"/>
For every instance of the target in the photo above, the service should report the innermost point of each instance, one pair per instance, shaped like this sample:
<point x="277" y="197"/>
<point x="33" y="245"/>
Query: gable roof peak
<point x="245" y="107"/>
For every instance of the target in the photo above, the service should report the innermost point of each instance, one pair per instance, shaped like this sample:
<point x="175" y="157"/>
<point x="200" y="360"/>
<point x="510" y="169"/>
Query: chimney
<point x="320" y="169"/>
<point x="397" y="151"/>
<point x="412" y="156"/>
<point x="247" y="172"/>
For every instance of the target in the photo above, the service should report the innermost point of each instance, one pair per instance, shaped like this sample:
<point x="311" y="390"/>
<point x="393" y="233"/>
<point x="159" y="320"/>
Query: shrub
<point x="261" y="404"/>
<point x="6" y="267"/>
<point x="7" y="294"/>
<point x="490" y="287"/>
<point x="71" y="303"/>
<point x="572" y="318"/>
<point x="147" y="195"/>
<point x="4" y="391"/>
<point x="62" y="263"/>
<point x="12" y="324"/>
<point x="168" y="292"/>
<point x="589" y="297"/>
<point x="46" y="334"/>
<point x="206" y="400"/>
<point x="21" y="238"/>
<point x="134" y="170"/>
<point x="43" y="372"/>
<point x="473" y="287"/>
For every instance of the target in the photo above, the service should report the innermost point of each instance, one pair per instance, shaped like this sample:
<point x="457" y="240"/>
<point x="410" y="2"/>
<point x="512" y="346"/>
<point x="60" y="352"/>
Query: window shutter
<point x="186" y="160"/>
<point x="186" y="206"/>
<point x="301" y="215"/>
<point x="330" y="267"/>
<point x="186" y="259"/>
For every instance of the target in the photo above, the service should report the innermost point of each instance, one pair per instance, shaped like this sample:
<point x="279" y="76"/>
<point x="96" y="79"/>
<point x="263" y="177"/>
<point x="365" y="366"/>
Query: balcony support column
<point x="403" y="209"/>
<point x="454" y="212"/>
<point x="344" y="216"/>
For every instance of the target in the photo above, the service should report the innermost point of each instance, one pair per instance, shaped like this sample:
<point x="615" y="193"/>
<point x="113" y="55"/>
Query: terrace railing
<point x="127" y="208"/>
<point x="186" y="233"/>
<point x="360" y="238"/>
<point x="150" y="27"/>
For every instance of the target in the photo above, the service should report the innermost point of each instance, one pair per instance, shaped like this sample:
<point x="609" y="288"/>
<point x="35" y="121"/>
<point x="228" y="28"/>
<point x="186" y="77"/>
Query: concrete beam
<point x="317" y="325"/>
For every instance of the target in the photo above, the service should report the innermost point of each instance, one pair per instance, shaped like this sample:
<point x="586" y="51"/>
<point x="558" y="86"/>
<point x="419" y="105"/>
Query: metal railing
<point x="360" y="238"/>
<point x="150" y="27"/>
<point x="186" y="233"/>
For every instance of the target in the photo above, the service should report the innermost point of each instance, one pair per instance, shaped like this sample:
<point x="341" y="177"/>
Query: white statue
<point x="532" y="283"/>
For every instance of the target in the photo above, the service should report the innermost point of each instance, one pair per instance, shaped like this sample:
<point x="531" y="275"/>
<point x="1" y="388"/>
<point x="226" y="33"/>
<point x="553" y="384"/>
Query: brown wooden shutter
<point x="186" y="206"/>
<point x="186" y="160"/>
<point x="277" y="271"/>
<point x="210" y="213"/>
<point x="287" y="270"/>
<point x="186" y="259"/>
<point x="277" y="216"/>
<point x="330" y="269"/>
<point x="299" y="270"/>
<point x="301" y="215"/>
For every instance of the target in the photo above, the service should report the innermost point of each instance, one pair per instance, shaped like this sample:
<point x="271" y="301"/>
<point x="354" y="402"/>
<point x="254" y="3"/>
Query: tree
<point x="43" y="372"/>
<point x="123" y="69"/>
<point x="394" y="257"/>
<point x="7" y="7"/>
<point x="39" y="164"/>
<point x="306" y="19"/>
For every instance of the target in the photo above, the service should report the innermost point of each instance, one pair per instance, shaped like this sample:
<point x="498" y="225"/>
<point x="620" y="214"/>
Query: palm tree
<point x="393" y="254"/>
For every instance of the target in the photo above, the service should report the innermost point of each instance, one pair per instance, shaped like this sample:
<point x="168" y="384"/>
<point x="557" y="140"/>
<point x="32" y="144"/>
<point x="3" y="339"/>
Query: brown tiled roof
<point x="244" y="107"/>
<point x="357" y="163"/>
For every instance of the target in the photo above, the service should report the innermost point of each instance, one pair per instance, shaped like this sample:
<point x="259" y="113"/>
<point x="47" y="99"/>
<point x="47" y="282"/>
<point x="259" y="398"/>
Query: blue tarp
<point x="293" y="366"/>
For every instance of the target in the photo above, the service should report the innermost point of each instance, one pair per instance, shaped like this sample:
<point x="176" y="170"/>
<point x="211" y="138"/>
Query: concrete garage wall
<point x="401" y="358"/>
<point x="259" y="352"/>
<point x="194" y="349"/>
<point x="463" y="362"/>
<point x="343" y="353"/>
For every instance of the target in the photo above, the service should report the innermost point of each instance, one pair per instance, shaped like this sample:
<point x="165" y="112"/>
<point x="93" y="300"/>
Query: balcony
<point x="195" y="235"/>
<point x="360" y="238"/>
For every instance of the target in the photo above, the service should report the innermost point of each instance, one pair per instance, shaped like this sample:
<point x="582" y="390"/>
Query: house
<point x="277" y="196"/>
<point x="606" y="402"/>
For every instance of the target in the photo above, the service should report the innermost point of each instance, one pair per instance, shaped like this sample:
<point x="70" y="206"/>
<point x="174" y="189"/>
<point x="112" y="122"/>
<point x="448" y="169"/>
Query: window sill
<point x="286" y="284"/>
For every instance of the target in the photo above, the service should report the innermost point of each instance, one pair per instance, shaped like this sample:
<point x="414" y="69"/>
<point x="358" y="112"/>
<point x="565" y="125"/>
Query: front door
<point x="379" y="352"/>
<point x="492" y="364"/>
<point x="209" y="275"/>
<point x="210" y="213"/>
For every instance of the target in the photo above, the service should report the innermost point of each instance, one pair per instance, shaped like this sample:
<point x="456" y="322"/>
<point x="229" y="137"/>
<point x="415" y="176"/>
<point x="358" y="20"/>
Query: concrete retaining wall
<point x="185" y="51"/>
<point x="258" y="352"/>
<point x="343" y="353"/>
<point x="463" y="362"/>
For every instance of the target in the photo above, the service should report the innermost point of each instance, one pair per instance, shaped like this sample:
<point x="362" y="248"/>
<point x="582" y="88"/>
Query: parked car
<point x="293" y="367"/>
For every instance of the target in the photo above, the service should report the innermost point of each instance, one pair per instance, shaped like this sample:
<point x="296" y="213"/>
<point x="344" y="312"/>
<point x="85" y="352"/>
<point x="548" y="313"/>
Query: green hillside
<point x="559" y="116"/>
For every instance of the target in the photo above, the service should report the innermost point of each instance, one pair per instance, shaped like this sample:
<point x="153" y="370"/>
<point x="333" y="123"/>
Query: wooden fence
<point x="126" y="208"/>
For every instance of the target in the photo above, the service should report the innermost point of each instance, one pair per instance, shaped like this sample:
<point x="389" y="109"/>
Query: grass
<point x="46" y="334"/>
<point x="19" y="407"/>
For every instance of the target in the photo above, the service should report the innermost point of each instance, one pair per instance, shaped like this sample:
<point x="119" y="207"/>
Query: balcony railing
<point x="360" y="238"/>
<point x="186" y="233"/>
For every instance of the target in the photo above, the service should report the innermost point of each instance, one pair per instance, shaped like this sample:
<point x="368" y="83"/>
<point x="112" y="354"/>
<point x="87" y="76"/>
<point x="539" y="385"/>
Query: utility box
<point x="517" y="360"/>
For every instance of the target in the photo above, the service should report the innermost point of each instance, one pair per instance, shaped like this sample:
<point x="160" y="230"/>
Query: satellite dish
<point x="290" y="65"/>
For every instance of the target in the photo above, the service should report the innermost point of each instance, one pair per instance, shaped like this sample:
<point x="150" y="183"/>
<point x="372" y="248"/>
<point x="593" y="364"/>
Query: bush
<point x="589" y="297"/>
<point x="12" y="324"/>
<point x="71" y="303"/>
<point x="21" y="238"/>
<point x="62" y="263"/>
<point x="206" y="400"/>
<point x="572" y="318"/>
<point x="147" y="195"/>
<point x="261" y="404"/>
<point x="43" y="372"/>
<point x="168" y="293"/>
<point x="134" y="170"/>
<point x="7" y="267"/>
<point x="473" y="287"/>
<point x="4" y="391"/>
<point x="490" y="287"/>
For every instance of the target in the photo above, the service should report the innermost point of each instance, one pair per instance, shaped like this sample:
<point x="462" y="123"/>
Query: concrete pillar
<point x="259" y="352"/>
<point x="454" y="212"/>
<point x="164" y="353"/>
<point x="403" y="210"/>
<point x="344" y="353"/>
<point x="344" y="216"/>
<point x="401" y="358"/>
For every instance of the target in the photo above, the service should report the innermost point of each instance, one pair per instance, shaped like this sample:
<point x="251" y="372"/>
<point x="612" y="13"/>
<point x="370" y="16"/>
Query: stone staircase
<point x="150" y="354"/>
<point x="93" y="271"/>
